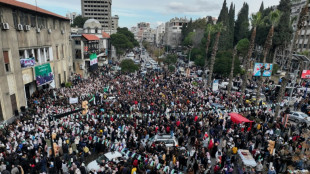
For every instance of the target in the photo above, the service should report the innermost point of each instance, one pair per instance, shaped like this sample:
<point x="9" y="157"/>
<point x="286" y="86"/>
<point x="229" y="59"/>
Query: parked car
<point x="168" y="140"/>
<point x="114" y="156"/>
<point x="148" y="65"/>
<point x="300" y="117"/>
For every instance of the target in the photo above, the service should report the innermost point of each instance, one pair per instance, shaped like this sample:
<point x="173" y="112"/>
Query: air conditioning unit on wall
<point x="62" y="31"/>
<point x="5" y="26"/>
<point x="27" y="27"/>
<point x="38" y="30"/>
<point x="20" y="27"/>
<point x="81" y="66"/>
<point x="49" y="31"/>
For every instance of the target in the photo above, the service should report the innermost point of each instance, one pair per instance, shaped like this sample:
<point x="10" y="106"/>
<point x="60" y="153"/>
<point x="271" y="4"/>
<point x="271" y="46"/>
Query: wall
<point x="13" y="41"/>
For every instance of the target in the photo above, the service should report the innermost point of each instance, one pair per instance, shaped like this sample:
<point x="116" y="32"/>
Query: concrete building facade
<point x="37" y="36"/>
<point x="173" y="29"/>
<point x="71" y="16"/>
<point x="101" y="11"/>
<point x="160" y="32"/>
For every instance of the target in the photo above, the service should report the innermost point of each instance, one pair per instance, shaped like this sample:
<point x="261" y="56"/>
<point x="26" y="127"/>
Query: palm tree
<point x="256" y="20"/>
<point x="274" y="18"/>
<point x="302" y="16"/>
<point x="218" y="28"/>
<point x="210" y="30"/>
<point x="232" y="70"/>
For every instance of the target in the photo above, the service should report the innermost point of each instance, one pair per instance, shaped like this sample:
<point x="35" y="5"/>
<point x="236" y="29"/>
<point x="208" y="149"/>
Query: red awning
<point x="90" y="37"/>
<point x="237" y="118"/>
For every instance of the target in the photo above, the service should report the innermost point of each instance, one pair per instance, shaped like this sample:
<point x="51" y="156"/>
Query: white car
<point x="107" y="157"/>
<point x="168" y="140"/>
<point x="300" y="117"/>
<point x="148" y="65"/>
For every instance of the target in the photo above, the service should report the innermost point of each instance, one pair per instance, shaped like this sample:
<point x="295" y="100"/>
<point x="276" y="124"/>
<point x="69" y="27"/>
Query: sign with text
<point x="27" y="62"/>
<point x="215" y="86"/>
<point x="43" y="74"/>
<point x="305" y="74"/>
<point x="267" y="71"/>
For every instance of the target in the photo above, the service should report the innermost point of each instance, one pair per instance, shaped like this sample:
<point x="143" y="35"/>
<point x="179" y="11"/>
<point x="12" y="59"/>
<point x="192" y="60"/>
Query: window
<point x="23" y="18"/>
<point x="15" y="18"/>
<point x="6" y="61"/>
<point x="305" y="45"/>
<point x="33" y="21"/>
<point x="63" y="51"/>
<point x="77" y="42"/>
<point x="57" y="56"/>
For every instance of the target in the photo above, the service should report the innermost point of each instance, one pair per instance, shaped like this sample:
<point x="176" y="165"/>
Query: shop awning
<point x="90" y="37"/>
<point x="237" y="118"/>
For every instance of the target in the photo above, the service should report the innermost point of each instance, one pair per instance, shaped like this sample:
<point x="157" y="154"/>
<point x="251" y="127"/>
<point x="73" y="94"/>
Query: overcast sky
<point x="155" y="12"/>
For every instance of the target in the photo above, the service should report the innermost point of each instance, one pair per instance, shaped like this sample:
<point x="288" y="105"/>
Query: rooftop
<point x="90" y="37"/>
<point x="23" y="5"/>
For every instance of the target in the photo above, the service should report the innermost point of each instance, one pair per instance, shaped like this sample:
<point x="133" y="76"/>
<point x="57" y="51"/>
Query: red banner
<point x="305" y="74"/>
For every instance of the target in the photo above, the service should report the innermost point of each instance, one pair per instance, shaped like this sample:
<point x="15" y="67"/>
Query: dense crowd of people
<point x="125" y="110"/>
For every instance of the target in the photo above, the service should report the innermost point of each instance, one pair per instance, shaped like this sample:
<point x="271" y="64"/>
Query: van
<point x="168" y="140"/>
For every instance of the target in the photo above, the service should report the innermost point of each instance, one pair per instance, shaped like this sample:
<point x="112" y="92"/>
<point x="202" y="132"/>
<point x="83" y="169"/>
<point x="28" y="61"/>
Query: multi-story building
<point x="114" y="24"/>
<point x="149" y="35"/>
<point x="91" y="40"/>
<point x="160" y="31"/>
<point x="101" y="11"/>
<point x="173" y="29"/>
<point x="35" y="53"/>
<point x="71" y="16"/>
<point x="303" y="40"/>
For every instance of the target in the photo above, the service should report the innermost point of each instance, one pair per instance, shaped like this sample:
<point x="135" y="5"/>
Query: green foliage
<point x="243" y="47"/>
<point x="171" y="68"/>
<point x="191" y="26"/>
<point x="305" y="53"/>
<point x="199" y="61"/>
<point x="128" y="66"/>
<point x="222" y="64"/>
<point x="275" y="69"/>
<point x="242" y="24"/>
<point x="223" y="19"/>
<point x="171" y="59"/>
<point x="79" y="21"/>
<point x="129" y="35"/>
<point x="68" y="84"/>
<point x="261" y="9"/>
<point x="121" y="43"/>
<point x="188" y="39"/>
<point x="231" y="27"/>
<point x="284" y="30"/>
<point x="197" y="53"/>
<point x="263" y="30"/>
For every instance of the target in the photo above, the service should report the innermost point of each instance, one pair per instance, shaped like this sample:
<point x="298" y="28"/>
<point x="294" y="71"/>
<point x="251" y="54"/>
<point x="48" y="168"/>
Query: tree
<point x="256" y="20"/>
<point x="223" y="64"/>
<point x="130" y="36"/>
<point x="129" y="66"/>
<point x="189" y="39"/>
<point x="210" y="29"/>
<point x="224" y="19"/>
<point x="199" y="61"/>
<point x="232" y="70"/>
<point x="121" y="43"/>
<point x="218" y="28"/>
<point x="284" y="30"/>
<point x="231" y="26"/>
<point x="243" y="47"/>
<point x="302" y="16"/>
<point x="242" y="24"/>
<point x="274" y="18"/>
<point x="261" y="9"/>
<point x="78" y="21"/>
<point x="171" y="59"/>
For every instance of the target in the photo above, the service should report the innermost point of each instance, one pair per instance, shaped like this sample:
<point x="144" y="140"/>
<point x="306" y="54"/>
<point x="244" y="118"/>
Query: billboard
<point x="267" y="72"/>
<point x="93" y="62"/>
<point x="305" y="74"/>
<point x="27" y="62"/>
<point x="43" y="74"/>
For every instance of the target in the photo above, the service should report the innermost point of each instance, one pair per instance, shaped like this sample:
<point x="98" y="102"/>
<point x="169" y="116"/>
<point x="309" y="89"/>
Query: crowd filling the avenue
<point x="150" y="123"/>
